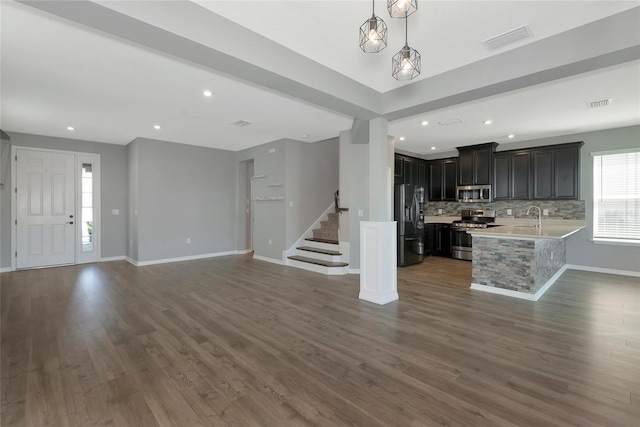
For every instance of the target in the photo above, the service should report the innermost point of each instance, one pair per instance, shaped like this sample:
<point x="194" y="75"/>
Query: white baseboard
<point x="184" y="258"/>
<point x="603" y="270"/>
<point x="6" y="269"/>
<point x="354" y="271"/>
<point x="521" y="295"/>
<point x="131" y="261"/>
<point x="243" y="251"/>
<point x="271" y="260"/>
<point x="377" y="298"/>
<point x="113" y="258"/>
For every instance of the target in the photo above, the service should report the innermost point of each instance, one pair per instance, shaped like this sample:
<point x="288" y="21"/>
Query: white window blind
<point x="616" y="199"/>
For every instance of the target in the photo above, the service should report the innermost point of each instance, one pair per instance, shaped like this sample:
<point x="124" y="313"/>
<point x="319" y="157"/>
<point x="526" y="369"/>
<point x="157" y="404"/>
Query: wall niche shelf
<point x="275" y="184"/>
<point x="258" y="176"/>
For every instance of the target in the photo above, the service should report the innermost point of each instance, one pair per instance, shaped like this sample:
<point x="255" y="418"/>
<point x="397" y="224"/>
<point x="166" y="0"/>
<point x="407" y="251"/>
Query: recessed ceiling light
<point x="70" y="128"/>
<point x="401" y="138"/>
<point x="306" y="135"/>
<point x="157" y="127"/>
<point x="424" y="123"/>
<point x="511" y="136"/>
<point x="433" y="148"/>
<point x="487" y="122"/>
<point x="207" y="93"/>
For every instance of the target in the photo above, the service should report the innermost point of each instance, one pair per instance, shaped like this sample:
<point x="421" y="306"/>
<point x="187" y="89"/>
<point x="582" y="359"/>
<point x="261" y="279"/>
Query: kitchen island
<point x="521" y="261"/>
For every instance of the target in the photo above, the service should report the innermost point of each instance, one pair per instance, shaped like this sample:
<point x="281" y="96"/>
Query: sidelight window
<point x="616" y="198"/>
<point x="86" y="220"/>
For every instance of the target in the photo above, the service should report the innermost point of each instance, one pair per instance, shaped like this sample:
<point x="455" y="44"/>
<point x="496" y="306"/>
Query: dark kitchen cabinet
<point x="409" y="170"/>
<point x="512" y="175"/>
<point x="556" y="171"/>
<point x="442" y="179"/>
<point x="429" y="239"/>
<point x="475" y="164"/>
<point x="442" y="243"/>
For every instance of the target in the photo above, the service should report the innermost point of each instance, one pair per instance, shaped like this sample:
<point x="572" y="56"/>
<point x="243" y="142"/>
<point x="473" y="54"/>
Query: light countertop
<point x="527" y="232"/>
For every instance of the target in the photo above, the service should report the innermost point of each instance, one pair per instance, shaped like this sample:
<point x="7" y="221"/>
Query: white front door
<point x="45" y="199"/>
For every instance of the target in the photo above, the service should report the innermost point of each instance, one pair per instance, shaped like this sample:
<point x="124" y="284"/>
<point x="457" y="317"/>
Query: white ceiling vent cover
<point x="601" y="103"/>
<point x="241" y="123"/>
<point x="509" y="37"/>
<point x="450" y="122"/>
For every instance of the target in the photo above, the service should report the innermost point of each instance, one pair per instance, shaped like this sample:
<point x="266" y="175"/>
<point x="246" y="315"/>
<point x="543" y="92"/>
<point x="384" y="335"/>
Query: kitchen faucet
<point x="539" y="224"/>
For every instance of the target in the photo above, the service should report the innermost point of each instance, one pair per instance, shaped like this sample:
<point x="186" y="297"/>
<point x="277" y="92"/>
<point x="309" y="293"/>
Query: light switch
<point x="272" y="150"/>
<point x="545" y="212"/>
<point x="115" y="211"/>
<point x="509" y="212"/>
<point x="291" y="204"/>
<point x="360" y="213"/>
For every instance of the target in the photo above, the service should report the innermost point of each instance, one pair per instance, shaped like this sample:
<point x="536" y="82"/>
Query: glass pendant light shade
<point x="405" y="65"/>
<point x="401" y="8"/>
<point x="373" y="35"/>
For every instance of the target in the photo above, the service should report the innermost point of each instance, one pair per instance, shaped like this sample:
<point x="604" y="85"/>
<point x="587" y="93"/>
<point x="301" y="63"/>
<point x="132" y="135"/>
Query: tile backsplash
<point x="558" y="209"/>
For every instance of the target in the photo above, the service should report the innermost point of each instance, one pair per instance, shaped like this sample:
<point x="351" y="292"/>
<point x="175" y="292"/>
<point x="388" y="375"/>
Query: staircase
<point x="321" y="252"/>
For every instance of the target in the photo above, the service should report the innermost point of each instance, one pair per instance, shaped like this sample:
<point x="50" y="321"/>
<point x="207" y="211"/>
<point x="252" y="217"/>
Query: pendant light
<point x="401" y="8"/>
<point x="405" y="65"/>
<point x="373" y="33"/>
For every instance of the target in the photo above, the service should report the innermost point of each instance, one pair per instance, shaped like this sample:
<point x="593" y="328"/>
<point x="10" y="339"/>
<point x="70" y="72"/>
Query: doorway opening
<point x="249" y="171"/>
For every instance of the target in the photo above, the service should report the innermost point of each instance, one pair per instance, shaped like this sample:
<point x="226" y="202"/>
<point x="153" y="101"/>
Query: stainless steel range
<point x="461" y="244"/>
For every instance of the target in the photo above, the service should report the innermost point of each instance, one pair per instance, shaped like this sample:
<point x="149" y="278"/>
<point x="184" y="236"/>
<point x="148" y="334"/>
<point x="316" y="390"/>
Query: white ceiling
<point x="560" y="107"/>
<point x="57" y="73"/>
<point x="448" y="34"/>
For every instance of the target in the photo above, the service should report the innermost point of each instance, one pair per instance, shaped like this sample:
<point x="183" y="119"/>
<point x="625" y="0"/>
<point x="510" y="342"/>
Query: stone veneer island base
<point x="521" y="262"/>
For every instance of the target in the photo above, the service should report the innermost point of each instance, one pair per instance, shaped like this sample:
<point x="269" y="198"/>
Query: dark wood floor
<point x="238" y="342"/>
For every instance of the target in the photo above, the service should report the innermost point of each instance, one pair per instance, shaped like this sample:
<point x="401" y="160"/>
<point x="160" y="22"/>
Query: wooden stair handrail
<point x="336" y="198"/>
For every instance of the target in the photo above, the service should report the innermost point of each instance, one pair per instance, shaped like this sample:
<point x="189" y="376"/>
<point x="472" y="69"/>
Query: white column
<point x="378" y="237"/>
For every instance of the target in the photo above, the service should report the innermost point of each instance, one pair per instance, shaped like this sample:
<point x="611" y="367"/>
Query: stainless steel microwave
<point x="473" y="193"/>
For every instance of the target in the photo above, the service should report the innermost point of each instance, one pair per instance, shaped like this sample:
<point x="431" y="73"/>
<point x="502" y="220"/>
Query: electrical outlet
<point x="115" y="211"/>
<point x="270" y="242"/>
<point x="552" y="255"/>
<point x="272" y="150"/>
<point x="545" y="212"/>
<point x="290" y="204"/>
<point x="440" y="211"/>
<point x="509" y="212"/>
<point x="188" y="240"/>
<point x="360" y="213"/>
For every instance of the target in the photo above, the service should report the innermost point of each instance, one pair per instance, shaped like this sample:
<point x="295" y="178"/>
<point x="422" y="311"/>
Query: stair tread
<point x="318" y="262"/>
<point x="313" y="239"/>
<point x="318" y="250"/>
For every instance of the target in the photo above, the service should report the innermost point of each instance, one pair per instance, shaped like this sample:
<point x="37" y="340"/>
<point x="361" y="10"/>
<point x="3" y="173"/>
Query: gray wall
<point x="184" y="192"/>
<point x="132" y="199"/>
<point x="311" y="179"/>
<point x="113" y="192"/>
<point x="309" y="176"/>
<point x="580" y="249"/>
<point x="269" y="216"/>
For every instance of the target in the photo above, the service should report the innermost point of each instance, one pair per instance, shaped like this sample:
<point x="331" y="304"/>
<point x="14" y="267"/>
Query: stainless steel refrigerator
<point x="408" y="212"/>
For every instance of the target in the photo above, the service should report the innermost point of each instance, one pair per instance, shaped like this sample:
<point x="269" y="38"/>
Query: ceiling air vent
<point x="509" y="37"/>
<point x="241" y="123"/>
<point x="601" y="103"/>
<point x="450" y="122"/>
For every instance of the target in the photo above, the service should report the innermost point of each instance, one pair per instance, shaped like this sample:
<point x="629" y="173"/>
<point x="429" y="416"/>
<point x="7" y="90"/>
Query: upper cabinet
<point x="410" y="170"/>
<point x="512" y="175"/>
<point x="475" y="164"/>
<point x="550" y="172"/>
<point x="443" y="174"/>
<point x="556" y="171"/>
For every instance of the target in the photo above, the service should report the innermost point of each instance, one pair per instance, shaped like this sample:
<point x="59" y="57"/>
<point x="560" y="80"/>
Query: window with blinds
<point x="616" y="198"/>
